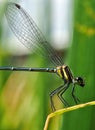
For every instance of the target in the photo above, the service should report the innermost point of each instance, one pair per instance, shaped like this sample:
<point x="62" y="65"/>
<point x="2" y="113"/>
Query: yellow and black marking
<point x="65" y="73"/>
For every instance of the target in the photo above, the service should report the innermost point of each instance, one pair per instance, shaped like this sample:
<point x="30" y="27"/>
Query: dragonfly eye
<point x="80" y="81"/>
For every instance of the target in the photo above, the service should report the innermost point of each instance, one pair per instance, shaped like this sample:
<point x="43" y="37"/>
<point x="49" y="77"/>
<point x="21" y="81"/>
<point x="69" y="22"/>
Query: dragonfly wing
<point x="28" y="32"/>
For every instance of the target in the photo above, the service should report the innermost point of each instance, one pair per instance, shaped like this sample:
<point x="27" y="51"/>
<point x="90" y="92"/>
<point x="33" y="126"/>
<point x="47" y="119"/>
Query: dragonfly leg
<point x="51" y="96"/>
<point x="73" y="95"/>
<point x="59" y="91"/>
<point x="52" y="104"/>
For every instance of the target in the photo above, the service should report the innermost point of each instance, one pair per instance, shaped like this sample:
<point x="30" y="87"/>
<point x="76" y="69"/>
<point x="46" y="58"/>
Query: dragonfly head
<point x="79" y="81"/>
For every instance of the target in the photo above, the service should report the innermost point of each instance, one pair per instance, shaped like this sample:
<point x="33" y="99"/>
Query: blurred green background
<point x="24" y="96"/>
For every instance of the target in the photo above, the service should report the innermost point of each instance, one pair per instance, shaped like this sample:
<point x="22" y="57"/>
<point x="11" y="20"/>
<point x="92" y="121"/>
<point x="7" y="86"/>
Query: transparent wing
<point x="28" y="32"/>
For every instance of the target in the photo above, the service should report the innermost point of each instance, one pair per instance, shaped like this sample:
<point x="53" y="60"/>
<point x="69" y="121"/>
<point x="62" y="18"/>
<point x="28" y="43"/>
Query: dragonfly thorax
<point x="65" y="73"/>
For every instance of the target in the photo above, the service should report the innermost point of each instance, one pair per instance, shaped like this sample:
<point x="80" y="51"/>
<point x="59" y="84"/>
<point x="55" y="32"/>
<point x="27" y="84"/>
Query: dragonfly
<point x="28" y="33"/>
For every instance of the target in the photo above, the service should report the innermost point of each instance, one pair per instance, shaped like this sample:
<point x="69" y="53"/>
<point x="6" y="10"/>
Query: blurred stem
<point x="61" y="111"/>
